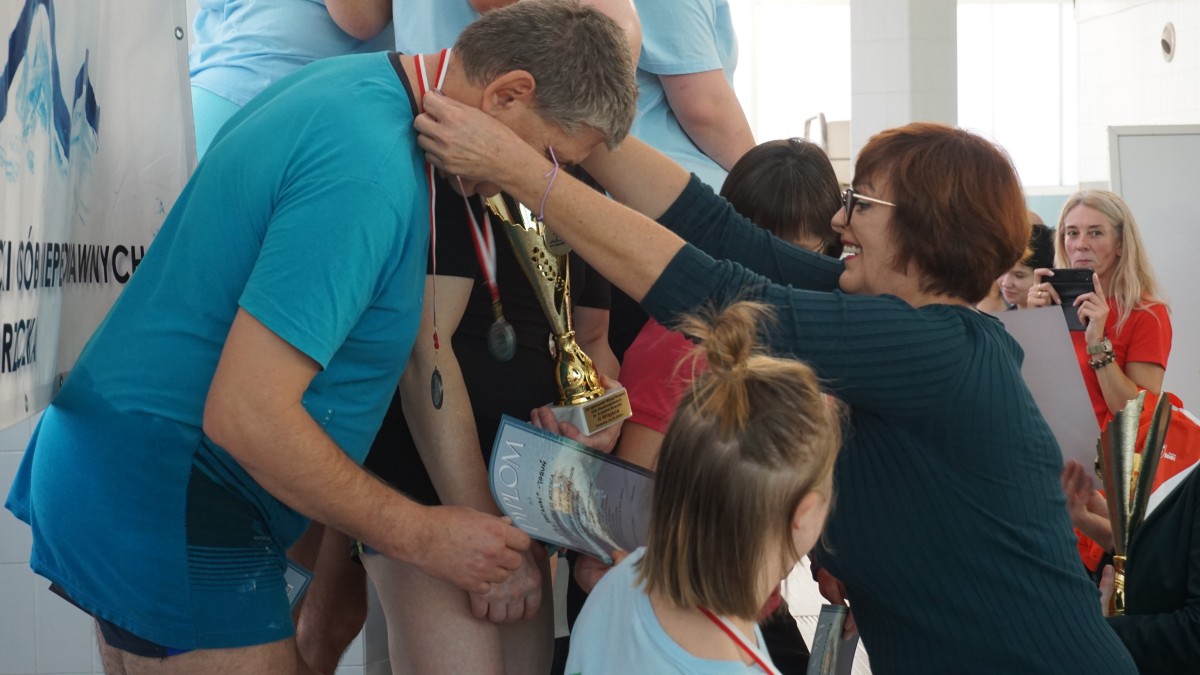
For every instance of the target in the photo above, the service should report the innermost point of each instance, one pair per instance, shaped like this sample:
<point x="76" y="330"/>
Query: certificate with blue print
<point x="564" y="493"/>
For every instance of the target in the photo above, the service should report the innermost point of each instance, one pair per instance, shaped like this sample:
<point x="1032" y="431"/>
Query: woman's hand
<point x="1093" y="312"/>
<point x="1088" y="509"/>
<point x="834" y="591"/>
<point x="461" y="140"/>
<point x="1042" y="293"/>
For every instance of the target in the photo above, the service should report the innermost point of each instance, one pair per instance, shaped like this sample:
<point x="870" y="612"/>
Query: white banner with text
<point x="95" y="145"/>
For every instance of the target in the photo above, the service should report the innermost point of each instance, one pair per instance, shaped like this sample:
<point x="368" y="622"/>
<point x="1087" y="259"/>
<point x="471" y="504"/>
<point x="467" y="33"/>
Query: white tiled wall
<point x="42" y="634"/>
<point x="903" y="55"/>
<point x="1123" y="79"/>
<point x="17" y="632"/>
<point x="39" y="631"/>
<point x="18" y="594"/>
<point x="64" y="640"/>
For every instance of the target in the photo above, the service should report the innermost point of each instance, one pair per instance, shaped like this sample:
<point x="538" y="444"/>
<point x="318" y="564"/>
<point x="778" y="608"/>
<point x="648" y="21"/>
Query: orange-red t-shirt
<point x="1145" y="337"/>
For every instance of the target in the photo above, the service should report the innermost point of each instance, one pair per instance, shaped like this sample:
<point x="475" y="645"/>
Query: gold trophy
<point x="582" y="400"/>
<point x="1128" y="476"/>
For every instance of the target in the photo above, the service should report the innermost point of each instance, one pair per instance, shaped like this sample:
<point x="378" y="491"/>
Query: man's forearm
<point x="361" y="19"/>
<point x="287" y="453"/>
<point x="625" y="248"/>
<point x="255" y="412"/>
<point x="446" y="439"/>
<point x="709" y="112"/>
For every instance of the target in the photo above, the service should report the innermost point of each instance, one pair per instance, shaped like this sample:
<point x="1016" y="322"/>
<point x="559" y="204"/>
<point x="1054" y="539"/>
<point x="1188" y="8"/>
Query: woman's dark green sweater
<point x="949" y="526"/>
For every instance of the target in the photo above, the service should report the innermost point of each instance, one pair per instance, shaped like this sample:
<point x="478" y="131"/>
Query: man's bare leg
<point x="334" y="609"/>
<point x="273" y="657"/>
<point x="305" y="550"/>
<point x="431" y="630"/>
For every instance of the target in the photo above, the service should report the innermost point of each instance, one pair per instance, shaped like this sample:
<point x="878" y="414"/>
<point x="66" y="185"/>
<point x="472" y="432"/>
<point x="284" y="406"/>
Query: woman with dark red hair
<point x="950" y="530"/>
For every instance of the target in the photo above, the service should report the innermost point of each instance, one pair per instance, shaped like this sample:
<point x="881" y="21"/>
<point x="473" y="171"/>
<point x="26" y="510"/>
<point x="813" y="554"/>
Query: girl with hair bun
<point x="743" y="487"/>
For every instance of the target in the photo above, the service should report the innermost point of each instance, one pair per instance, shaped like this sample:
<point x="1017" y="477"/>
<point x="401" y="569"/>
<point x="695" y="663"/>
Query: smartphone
<point x="1070" y="283"/>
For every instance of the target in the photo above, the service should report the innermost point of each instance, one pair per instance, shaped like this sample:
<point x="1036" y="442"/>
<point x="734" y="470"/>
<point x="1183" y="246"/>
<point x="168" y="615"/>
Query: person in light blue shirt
<point x="430" y="25"/>
<point x="241" y="46"/>
<point x="237" y="383"/>
<point x="619" y="632"/>
<point x="687" y="108"/>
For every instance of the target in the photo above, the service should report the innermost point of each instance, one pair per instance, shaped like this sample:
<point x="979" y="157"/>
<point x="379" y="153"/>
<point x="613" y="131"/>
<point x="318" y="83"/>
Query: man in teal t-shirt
<point x="236" y="385"/>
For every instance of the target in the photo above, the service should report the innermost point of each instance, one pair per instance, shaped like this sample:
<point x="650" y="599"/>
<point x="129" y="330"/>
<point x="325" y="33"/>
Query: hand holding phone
<point x="1070" y="283"/>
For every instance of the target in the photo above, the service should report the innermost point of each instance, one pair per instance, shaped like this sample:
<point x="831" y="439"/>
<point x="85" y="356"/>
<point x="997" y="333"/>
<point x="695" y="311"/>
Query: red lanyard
<point x="501" y="338"/>
<point x="485" y="249"/>
<point x="485" y="246"/>
<point x="736" y="635"/>
<point x="443" y="66"/>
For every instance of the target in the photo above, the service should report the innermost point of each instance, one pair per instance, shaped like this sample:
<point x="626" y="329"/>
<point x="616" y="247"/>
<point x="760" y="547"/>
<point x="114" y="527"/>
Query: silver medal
<point x="436" y="390"/>
<point x="502" y="340"/>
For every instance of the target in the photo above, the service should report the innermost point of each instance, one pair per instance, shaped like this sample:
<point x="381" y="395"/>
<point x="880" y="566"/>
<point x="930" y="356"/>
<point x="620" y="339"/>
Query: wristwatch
<point x="1104" y="347"/>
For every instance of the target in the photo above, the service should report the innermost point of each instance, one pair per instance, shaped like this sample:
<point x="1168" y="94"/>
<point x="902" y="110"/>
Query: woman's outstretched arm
<point x="629" y="249"/>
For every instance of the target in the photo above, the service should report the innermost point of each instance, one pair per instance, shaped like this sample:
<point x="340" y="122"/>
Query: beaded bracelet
<point x="551" y="174"/>
<point x="1099" y="363"/>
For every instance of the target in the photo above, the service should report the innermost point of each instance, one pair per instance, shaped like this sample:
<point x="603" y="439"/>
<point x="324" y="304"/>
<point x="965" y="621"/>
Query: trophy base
<point x="597" y="414"/>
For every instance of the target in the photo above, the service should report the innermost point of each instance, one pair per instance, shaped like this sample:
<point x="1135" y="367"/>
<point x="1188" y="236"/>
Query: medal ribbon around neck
<point x="436" y="390"/>
<point x="502" y="339"/>
<point x="736" y="635"/>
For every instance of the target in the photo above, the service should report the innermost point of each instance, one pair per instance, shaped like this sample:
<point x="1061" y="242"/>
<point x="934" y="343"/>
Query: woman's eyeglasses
<point x="850" y="199"/>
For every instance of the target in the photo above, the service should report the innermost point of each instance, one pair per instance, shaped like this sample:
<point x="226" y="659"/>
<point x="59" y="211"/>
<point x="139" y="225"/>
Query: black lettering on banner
<point x="37" y="263"/>
<point x="50" y="269"/>
<point x="87" y="262"/>
<point x="91" y="271"/>
<point x="33" y="265"/>
<point x="26" y="266"/>
<point x="104" y="251"/>
<point x="72" y="256"/>
<point x="136" y="253"/>
<point x="18" y="345"/>
<point x="6" y="348"/>
<point x="60" y="252"/>
<point x="121" y="275"/>
<point x="45" y="269"/>
<point x="5" y="265"/>
<point x="81" y="256"/>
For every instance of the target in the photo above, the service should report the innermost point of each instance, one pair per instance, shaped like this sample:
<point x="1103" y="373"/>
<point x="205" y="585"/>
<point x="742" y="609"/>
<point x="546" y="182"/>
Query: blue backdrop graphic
<point x="18" y="51"/>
